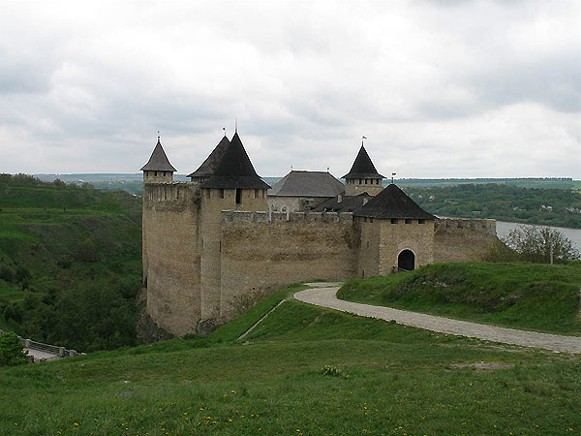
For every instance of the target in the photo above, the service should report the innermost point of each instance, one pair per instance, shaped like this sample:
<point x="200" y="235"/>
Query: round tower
<point x="363" y="177"/>
<point x="158" y="169"/>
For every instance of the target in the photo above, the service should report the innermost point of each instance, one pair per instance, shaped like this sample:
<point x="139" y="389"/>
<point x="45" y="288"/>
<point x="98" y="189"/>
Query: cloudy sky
<point x="440" y="88"/>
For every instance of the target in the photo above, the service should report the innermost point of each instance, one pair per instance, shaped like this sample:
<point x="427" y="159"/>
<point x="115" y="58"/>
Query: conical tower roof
<point x="392" y="202"/>
<point x="235" y="170"/>
<point x="158" y="160"/>
<point x="208" y="167"/>
<point x="363" y="167"/>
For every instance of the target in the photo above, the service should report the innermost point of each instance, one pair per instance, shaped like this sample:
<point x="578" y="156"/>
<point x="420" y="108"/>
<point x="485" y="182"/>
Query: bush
<point x="541" y="245"/>
<point x="11" y="350"/>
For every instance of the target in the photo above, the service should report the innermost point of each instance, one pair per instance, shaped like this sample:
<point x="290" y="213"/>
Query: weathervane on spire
<point x="158" y="135"/>
<point x="362" y="138"/>
<point x="224" y="129"/>
<point x="392" y="176"/>
<point x="235" y="125"/>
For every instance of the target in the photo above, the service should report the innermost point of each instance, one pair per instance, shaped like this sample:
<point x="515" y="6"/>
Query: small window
<point x="421" y="221"/>
<point x="155" y="173"/>
<point x="371" y="219"/>
<point x="394" y="220"/>
<point x="408" y="221"/>
<point x="221" y="193"/>
<point x="238" y="195"/>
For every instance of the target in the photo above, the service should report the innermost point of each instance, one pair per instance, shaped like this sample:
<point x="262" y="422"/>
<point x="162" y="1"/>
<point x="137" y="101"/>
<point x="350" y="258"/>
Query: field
<point x="303" y="371"/>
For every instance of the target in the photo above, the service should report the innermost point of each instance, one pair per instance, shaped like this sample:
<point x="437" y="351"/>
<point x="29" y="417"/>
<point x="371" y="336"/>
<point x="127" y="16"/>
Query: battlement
<point x="487" y="226"/>
<point x="236" y="216"/>
<point x="159" y="192"/>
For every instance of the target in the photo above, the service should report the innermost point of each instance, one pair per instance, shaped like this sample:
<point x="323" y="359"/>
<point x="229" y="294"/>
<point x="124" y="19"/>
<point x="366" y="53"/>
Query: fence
<point x="46" y="348"/>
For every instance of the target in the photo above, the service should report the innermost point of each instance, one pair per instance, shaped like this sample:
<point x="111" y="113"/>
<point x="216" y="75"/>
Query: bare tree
<point x="541" y="245"/>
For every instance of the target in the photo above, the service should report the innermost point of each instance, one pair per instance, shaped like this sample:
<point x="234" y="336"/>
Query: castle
<point x="220" y="237"/>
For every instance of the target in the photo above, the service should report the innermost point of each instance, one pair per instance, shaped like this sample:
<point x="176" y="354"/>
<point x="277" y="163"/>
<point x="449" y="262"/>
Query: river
<point x="574" y="235"/>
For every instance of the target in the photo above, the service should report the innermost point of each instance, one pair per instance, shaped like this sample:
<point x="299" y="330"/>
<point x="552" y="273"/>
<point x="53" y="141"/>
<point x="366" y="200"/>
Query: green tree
<point x="11" y="350"/>
<point x="541" y="245"/>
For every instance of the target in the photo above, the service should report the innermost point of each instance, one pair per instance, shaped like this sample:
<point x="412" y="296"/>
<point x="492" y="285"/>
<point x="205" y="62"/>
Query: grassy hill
<point x="519" y="295"/>
<point x="303" y="371"/>
<point x="70" y="263"/>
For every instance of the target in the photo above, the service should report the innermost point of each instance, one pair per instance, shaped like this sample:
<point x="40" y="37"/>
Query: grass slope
<point x="303" y="370"/>
<point x="518" y="295"/>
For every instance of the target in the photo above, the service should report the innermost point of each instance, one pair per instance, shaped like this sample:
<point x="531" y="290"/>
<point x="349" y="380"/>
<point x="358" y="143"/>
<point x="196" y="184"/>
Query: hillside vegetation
<point x="551" y="207"/>
<point x="69" y="263"/>
<point x="519" y="295"/>
<point x="302" y="371"/>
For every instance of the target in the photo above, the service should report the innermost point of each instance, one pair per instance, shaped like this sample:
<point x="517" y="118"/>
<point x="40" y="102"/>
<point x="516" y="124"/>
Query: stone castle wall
<point x="463" y="239"/>
<point x="171" y="256"/>
<point x="263" y="251"/>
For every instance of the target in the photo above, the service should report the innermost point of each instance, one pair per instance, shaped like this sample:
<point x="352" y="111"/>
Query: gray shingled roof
<point x="208" y="167"/>
<point x="158" y="160"/>
<point x="363" y="167"/>
<point x="347" y="204"/>
<point x="315" y="184"/>
<point x="235" y="170"/>
<point x="392" y="202"/>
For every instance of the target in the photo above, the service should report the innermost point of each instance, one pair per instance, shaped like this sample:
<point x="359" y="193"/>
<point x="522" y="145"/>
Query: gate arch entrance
<point x="406" y="260"/>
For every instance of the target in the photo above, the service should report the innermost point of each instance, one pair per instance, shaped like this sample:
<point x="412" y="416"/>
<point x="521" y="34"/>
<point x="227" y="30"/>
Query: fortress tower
<point x="234" y="185"/>
<point x="158" y="169"/>
<point x="363" y="177"/>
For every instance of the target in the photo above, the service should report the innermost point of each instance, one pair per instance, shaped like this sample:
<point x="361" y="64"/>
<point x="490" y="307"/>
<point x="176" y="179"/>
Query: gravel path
<point x="324" y="294"/>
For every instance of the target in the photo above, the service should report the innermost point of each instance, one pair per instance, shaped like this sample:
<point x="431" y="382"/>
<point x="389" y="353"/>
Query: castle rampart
<point x="463" y="239"/>
<point x="266" y="251"/>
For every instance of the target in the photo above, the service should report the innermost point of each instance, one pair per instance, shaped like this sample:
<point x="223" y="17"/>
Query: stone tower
<point x="158" y="169"/>
<point x="234" y="185"/>
<point x="396" y="234"/>
<point x="363" y="177"/>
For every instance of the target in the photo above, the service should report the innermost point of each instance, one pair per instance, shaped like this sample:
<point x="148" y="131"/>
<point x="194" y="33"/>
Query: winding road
<point x="324" y="294"/>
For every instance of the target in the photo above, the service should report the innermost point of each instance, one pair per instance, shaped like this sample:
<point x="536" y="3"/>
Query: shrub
<point x="11" y="350"/>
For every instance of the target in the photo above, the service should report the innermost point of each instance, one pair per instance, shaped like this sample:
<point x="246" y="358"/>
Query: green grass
<point x="385" y="379"/>
<point x="517" y="295"/>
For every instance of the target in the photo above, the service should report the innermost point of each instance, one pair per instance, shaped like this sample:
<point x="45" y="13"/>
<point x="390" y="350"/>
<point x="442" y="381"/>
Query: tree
<point x="541" y="245"/>
<point x="11" y="350"/>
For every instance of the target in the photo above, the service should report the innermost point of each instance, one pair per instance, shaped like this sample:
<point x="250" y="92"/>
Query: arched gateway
<point x="406" y="260"/>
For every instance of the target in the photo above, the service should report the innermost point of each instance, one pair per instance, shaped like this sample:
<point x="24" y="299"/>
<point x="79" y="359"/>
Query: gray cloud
<point x="441" y="89"/>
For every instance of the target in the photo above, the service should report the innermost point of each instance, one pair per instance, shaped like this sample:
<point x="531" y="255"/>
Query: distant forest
<point x="554" y="201"/>
<point x="503" y="202"/>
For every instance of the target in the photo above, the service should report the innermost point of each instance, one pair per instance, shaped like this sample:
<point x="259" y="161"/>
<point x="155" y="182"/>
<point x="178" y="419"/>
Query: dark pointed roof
<point x="363" y="167"/>
<point x="158" y="160"/>
<point x="208" y="167"/>
<point x="315" y="184"/>
<point x="392" y="202"/>
<point x="235" y="170"/>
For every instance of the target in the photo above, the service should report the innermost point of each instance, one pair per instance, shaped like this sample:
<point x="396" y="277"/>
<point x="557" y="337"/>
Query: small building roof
<point x="392" y="202"/>
<point x="235" y="170"/>
<point x="315" y="184"/>
<point x="363" y="167"/>
<point x="347" y="203"/>
<point x="158" y="160"/>
<point x="208" y="167"/>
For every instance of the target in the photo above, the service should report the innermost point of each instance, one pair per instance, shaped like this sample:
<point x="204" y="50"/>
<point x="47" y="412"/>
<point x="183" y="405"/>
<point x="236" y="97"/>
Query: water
<point x="502" y="230"/>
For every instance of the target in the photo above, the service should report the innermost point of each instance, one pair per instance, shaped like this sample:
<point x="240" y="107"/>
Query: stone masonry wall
<point x="414" y="235"/>
<point x="266" y="251"/>
<point x="462" y="239"/>
<point x="171" y="257"/>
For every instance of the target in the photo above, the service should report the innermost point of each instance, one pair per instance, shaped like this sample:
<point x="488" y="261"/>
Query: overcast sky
<point x="439" y="88"/>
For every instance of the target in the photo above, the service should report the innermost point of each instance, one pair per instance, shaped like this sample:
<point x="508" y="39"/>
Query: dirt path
<point x="324" y="294"/>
